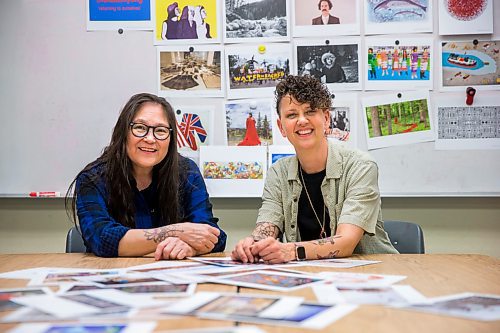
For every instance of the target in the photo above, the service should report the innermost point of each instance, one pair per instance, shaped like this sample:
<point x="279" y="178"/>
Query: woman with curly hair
<point x="324" y="202"/>
<point x="140" y="196"/>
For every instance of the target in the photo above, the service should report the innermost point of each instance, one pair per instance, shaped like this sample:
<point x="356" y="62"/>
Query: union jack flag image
<point x="189" y="126"/>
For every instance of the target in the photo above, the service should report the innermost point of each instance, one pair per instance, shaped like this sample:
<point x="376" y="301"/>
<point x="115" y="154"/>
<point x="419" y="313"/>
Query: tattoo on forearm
<point x="264" y="230"/>
<point x="329" y="255"/>
<point x="287" y="253"/>
<point x="158" y="235"/>
<point x="327" y="240"/>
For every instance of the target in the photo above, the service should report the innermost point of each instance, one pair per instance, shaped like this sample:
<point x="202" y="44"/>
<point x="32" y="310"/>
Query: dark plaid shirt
<point x="102" y="233"/>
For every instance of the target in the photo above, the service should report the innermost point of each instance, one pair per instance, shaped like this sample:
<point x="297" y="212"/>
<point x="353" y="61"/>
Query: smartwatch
<point x="300" y="253"/>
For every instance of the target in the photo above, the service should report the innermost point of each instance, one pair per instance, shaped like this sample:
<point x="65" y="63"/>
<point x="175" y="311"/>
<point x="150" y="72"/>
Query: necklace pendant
<point x="322" y="234"/>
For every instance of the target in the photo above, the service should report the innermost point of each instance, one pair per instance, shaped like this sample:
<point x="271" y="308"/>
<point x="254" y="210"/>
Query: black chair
<point x="406" y="237"/>
<point x="74" y="241"/>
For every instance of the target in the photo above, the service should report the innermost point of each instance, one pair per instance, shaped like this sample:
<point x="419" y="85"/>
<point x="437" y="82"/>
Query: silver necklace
<point x="322" y="233"/>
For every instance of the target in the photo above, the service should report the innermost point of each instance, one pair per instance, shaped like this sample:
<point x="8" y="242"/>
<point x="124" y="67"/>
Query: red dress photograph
<point x="251" y="137"/>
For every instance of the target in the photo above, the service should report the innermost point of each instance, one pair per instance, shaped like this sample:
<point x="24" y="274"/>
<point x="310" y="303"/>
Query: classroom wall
<point x="451" y="225"/>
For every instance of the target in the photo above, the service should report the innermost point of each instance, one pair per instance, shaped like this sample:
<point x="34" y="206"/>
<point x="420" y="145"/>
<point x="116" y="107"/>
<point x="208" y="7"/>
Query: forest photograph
<point x="398" y="118"/>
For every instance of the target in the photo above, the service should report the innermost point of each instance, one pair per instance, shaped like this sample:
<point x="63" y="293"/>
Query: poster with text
<point x="115" y="15"/>
<point x="459" y="17"/>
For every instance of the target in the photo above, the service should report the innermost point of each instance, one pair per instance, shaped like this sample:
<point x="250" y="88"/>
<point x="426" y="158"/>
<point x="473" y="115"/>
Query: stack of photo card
<point x="132" y="327"/>
<point x="261" y="309"/>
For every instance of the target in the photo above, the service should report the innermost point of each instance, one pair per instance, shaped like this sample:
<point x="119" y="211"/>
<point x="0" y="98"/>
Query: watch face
<point x="301" y="253"/>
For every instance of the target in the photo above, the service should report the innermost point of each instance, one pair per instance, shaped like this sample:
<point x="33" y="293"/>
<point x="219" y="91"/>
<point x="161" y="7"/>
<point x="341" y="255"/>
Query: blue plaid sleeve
<point x="101" y="232"/>
<point x="197" y="206"/>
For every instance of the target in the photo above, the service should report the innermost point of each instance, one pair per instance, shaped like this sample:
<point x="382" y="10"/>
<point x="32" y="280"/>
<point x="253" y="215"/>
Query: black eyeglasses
<point x="159" y="132"/>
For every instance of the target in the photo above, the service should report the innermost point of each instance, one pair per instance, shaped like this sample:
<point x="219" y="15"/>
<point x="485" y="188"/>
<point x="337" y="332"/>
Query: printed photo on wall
<point x="398" y="63"/>
<point x="253" y="71"/>
<point x="458" y="17"/>
<point x="115" y="15"/>
<point x="312" y="18"/>
<point x="397" y="119"/>
<point x="182" y="72"/>
<point x="277" y="152"/>
<point x="249" y="122"/>
<point x="184" y="22"/>
<point x="334" y="62"/>
<point x="401" y="16"/>
<point x="470" y="64"/>
<point x="343" y="119"/>
<point x="234" y="171"/>
<point x="256" y="21"/>
<point x="463" y="127"/>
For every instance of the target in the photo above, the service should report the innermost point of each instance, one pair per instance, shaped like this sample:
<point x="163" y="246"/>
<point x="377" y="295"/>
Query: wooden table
<point x="431" y="274"/>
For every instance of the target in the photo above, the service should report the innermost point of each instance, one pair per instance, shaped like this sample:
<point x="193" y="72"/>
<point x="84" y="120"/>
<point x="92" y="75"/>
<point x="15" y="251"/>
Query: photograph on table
<point x="232" y="171"/>
<point x="143" y="327"/>
<point x="6" y="294"/>
<point x="249" y="122"/>
<point x="465" y="64"/>
<point x="256" y="21"/>
<point x="464" y="127"/>
<point x="276" y="152"/>
<point x="344" y="119"/>
<point x="254" y="70"/>
<point x="459" y="17"/>
<point x="397" y="119"/>
<point x="467" y="305"/>
<point x="401" y="16"/>
<point x="72" y="276"/>
<point x="182" y="71"/>
<point x="186" y="22"/>
<point x="334" y="62"/>
<point x="115" y="15"/>
<point x="398" y="63"/>
<point x="313" y="18"/>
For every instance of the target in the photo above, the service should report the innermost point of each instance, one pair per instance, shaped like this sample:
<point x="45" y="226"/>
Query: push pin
<point x="262" y="49"/>
<point x="470" y="95"/>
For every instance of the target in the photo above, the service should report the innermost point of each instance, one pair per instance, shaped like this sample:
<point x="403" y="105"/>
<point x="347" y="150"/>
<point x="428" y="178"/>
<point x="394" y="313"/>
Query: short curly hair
<point x="305" y="89"/>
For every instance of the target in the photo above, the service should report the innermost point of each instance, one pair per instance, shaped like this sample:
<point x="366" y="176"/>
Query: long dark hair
<point x="117" y="169"/>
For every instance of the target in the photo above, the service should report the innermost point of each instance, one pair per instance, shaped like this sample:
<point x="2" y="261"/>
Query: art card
<point x="72" y="276"/>
<point x="403" y="16"/>
<point x="182" y="72"/>
<point x="312" y="18"/>
<point x="186" y="22"/>
<point x="256" y="21"/>
<point x="335" y="62"/>
<point x="269" y="281"/>
<point x="161" y="267"/>
<point x="463" y="127"/>
<point x="6" y="294"/>
<point x="467" y="64"/>
<point x="396" y="295"/>
<point x="341" y="263"/>
<point x="104" y="306"/>
<point x="123" y="280"/>
<point x="234" y="171"/>
<point x="398" y="63"/>
<point x="253" y="71"/>
<point x="468" y="305"/>
<point x="277" y="152"/>
<point x="398" y="119"/>
<point x="121" y="14"/>
<point x="132" y="327"/>
<point x="225" y="262"/>
<point x="359" y="280"/>
<point x="458" y="18"/>
<point x="344" y="119"/>
<point x="122" y="298"/>
<point x="249" y="122"/>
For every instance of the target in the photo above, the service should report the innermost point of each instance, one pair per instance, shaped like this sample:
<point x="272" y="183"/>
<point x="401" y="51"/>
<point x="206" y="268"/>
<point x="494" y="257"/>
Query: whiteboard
<point x="62" y="89"/>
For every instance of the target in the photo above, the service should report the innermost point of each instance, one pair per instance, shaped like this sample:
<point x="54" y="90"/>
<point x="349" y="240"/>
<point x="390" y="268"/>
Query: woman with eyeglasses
<point x="140" y="196"/>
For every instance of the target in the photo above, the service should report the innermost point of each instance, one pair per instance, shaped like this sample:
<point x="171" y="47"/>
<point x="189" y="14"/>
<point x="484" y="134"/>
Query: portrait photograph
<point x="334" y="62"/>
<point x="386" y="17"/>
<point x="249" y="122"/>
<point x="254" y="70"/>
<point x="465" y="64"/>
<point x="343" y="119"/>
<point x="187" y="22"/>
<point x="256" y="21"/>
<point x="312" y="18"/>
<point x="398" y="63"/>
<point x="232" y="171"/>
<point x="114" y="15"/>
<point x="181" y="72"/>
<point x="456" y="18"/>
<point x="392" y="121"/>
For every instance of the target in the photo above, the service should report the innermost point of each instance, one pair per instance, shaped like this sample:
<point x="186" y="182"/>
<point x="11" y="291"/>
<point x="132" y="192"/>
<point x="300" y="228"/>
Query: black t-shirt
<point x="309" y="227"/>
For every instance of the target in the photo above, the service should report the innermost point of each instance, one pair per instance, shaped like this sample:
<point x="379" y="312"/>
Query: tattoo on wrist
<point x="158" y="235"/>
<point x="327" y="240"/>
<point x="330" y="255"/>
<point x="264" y="230"/>
<point x="288" y="253"/>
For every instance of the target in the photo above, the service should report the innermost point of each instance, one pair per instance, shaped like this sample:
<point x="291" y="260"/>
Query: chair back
<point x="406" y="237"/>
<point x="74" y="241"/>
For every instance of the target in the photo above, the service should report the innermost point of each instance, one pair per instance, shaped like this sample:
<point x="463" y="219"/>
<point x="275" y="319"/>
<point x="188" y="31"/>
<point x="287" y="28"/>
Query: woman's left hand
<point x="173" y="248"/>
